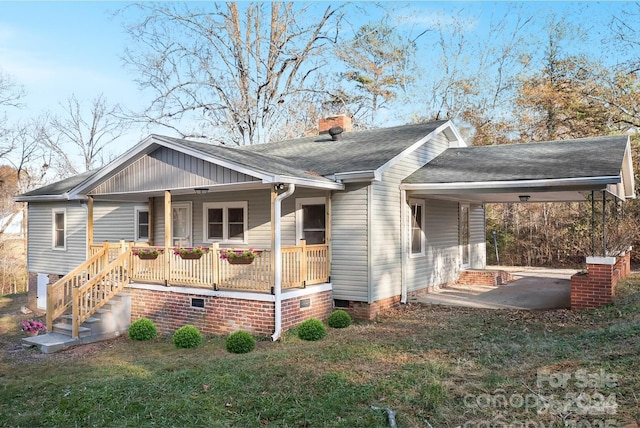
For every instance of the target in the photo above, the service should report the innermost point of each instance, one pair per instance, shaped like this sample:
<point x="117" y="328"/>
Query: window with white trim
<point x="142" y="223"/>
<point x="417" y="227"/>
<point x="225" y="222"/>
<point x="311" y="223"/>
<point x="59" y="228"/>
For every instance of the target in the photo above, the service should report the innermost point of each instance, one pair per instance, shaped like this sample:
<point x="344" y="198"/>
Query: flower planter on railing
<point x="192" y="256"/>
<point x="239" y="257"/>
<point x="241" y="260"/>
<point x="147" y="253"/>
<point x="147" y="256"/>
<point x="190" y="253"/>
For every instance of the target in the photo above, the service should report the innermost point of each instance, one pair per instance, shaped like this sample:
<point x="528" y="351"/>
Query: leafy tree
<point x="380" y="62"/>
<point x="233" y="68"/>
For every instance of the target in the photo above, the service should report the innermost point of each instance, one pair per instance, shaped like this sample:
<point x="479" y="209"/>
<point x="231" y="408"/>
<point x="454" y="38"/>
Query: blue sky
<point x="58" y="48"/>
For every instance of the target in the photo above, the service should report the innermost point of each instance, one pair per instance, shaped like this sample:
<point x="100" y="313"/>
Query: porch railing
<point x="301" y="265"/>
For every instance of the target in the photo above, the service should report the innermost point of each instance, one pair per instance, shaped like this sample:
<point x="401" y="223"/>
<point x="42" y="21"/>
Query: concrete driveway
<point x="532" y="289"/>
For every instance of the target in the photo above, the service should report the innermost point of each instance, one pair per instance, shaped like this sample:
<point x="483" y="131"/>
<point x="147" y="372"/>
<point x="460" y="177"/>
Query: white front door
<point x="181" y="213"/>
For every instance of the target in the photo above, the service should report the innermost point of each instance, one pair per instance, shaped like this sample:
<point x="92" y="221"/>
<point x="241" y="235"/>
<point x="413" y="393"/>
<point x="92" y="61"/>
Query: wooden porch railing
<point x="301" y="265"/>
<point x="60" y="294"/>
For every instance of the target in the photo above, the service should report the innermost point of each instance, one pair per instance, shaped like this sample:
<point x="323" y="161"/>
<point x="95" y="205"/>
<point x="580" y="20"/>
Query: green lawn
<point x="449" y="366"/>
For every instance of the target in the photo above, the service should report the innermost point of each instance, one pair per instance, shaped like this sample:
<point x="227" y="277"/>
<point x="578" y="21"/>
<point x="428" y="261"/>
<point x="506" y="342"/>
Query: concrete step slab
<point x="51" y="342"/>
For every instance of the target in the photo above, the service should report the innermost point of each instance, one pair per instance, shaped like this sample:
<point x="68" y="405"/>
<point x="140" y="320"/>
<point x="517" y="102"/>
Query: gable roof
<point x="595" y="162"/>
<point x="315" y="161"/>
<point x="366" y="150"/>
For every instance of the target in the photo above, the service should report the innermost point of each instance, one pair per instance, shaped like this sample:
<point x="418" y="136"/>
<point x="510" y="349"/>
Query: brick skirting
<point x="223" y="315"/>
<point x="484" y="277"/>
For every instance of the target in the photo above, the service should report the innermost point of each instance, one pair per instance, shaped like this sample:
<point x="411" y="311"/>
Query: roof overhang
<point x="542" y="190"/>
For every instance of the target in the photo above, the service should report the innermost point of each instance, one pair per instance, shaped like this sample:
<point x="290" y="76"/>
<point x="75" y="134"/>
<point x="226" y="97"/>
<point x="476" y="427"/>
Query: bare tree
<point x="233" y="68"/>
<point x="87" y="132"/>
<point x="11" y="94"/>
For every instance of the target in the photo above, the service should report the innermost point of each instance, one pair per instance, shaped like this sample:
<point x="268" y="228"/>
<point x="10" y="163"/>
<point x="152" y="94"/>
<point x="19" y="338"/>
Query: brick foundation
<point x="223" y="315"/>
<point x="596" y="288"/>
<point x="484" y="277"/>
<point x="369" y="312"/>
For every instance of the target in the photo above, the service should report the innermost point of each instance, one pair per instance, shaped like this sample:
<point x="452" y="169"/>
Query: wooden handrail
<point x="59" y="295"/>
<point x="97" y="291"/>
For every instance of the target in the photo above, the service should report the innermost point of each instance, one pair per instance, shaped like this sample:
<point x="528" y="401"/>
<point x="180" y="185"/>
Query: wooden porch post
<point x="274" y="195"/>
<point x="89" y="223"/>
<point x="151" y="221"/>
<point x="167" y="235"/>
<point x="327" y="232"/>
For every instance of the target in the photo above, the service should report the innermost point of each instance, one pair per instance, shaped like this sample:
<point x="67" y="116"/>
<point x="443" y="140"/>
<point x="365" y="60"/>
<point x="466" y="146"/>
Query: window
<point x="417" y="227"/>
<point x="311" y="220"/>
<point x="225" y="222"/>
<point x="142" y="223"/>
<point x="59" y="229"/>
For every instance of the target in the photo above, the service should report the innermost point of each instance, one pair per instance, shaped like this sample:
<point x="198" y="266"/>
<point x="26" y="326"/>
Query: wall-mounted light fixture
<point x="201" y="190"/>
<point x="524" y="198"/>
<point x="279" y="186"/>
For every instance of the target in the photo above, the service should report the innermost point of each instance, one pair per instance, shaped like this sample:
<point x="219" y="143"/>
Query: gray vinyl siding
<point x="113" y="221"/>
<point x="169" y="169"/>
<point x="386" y="226"/>
<point x="259" y="215"/>
<point x="350" y="243"/>
<point x="441" y="263"/>
<point x="41" y="257"/>
<point x="477" y="237"/>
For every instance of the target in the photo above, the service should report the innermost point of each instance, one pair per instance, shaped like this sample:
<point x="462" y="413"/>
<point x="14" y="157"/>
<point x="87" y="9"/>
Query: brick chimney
<point x="341" y="120"/>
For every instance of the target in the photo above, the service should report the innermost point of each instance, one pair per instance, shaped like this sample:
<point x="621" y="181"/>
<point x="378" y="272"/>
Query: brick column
<point x="596" y="288"/>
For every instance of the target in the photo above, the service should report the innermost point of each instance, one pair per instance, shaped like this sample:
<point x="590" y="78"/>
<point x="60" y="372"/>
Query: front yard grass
<point x="448" y="366"/>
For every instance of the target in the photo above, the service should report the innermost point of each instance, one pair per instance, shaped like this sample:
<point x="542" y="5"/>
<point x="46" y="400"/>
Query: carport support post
<point x="167" y="235"/>
<point x="604" y="224"/>
<point x="593" y="223"/>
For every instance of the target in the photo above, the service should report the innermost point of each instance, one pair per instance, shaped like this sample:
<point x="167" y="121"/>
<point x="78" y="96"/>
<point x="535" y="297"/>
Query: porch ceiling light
<point x="201" y="190"/>
<point x="524" y="198"/>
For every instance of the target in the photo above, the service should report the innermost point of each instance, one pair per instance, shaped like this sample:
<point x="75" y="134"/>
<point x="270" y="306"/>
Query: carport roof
<point x="555" y="170"/>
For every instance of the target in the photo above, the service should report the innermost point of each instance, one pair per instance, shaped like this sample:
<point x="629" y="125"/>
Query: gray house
<point x="357" y="220"/>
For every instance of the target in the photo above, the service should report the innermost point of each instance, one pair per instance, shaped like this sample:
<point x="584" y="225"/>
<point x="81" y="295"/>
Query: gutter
<point x="277" y="262"/>
<point x="50" y="198"/>
<point x="514" y="184"/>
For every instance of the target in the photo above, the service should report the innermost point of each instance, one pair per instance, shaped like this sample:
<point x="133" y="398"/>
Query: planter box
<point x="241" y="260"/>
<point x="148" y="256"/>
<point x="190" y="256"/>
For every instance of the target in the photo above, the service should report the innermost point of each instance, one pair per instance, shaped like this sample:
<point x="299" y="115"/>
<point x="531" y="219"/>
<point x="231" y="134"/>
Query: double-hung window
<point x="142" y="223"/>
<point x="225" y="222"/>
<point x="59" y="229"/>
<point x="417" y="227"/>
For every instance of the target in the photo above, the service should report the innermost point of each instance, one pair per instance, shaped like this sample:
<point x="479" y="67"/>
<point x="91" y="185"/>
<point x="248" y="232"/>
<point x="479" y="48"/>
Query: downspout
<point x="403" y="246"/>
<point x="277" y="260"/>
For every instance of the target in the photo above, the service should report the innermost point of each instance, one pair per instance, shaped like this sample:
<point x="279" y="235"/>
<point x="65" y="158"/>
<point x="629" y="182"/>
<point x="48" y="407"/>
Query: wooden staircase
<point x="86" y="304"/>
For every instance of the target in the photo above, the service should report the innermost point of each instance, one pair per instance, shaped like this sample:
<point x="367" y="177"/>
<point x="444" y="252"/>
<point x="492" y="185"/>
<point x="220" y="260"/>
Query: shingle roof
<point x="354" y="151"/>
<point x="62" y="186"/>
<point x="584" y="157"/>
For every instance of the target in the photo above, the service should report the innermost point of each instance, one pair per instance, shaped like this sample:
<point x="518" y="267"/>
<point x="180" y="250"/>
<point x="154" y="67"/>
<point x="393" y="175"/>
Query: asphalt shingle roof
<point x="584" y="157"/>
<point x="62" y="186"/>
<point x="354" y="151"/>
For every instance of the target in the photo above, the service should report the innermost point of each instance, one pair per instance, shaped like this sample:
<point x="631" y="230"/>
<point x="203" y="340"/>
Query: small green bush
<point x="311" y="329"/>
<point x="187" y="336"/>
<point x="240" y="342"/>
<point x="339" y="319"/>
<point x="142" y="329"/>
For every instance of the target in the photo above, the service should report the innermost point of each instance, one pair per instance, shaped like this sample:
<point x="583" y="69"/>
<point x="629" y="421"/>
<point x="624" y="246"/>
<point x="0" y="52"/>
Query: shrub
<point x="339" y="319"/>
<point x="311" y="329"/>
<point x="187" y="336"/>
<point x="142" y="329"/>
<point x="240" y="342"/>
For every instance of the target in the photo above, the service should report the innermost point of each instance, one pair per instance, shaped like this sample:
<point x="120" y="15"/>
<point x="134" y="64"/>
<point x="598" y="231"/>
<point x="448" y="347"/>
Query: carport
<point x="592" y="170"/>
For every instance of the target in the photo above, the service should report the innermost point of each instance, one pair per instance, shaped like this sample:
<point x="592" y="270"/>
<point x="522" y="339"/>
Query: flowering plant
<point x="230" y="254"/>
<point x="151" y="251"/>
<point x="187" y="251"/>
<point x="32" y="326"/>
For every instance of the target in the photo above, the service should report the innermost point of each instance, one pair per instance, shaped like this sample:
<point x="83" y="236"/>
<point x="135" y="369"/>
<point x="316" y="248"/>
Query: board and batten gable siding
<point x="386" y="245"/>
<point x="169" y="169"/>
<point x="41" y="258"/>
<point x="477" y="237"/>
<point x="350" y="243"/>
<point x="113" y="221"/>
<point x="259" y="215"/>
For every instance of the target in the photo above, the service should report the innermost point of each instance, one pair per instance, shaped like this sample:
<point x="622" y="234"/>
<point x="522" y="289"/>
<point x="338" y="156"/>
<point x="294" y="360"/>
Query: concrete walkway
<point x="532" y="289"/>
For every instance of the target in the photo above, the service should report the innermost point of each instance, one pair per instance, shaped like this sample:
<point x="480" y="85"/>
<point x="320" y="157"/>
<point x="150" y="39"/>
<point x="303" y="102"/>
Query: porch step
<point x="51" y="342"/>
<point x="111" y="321"/>
<point x="484" y="277"/>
